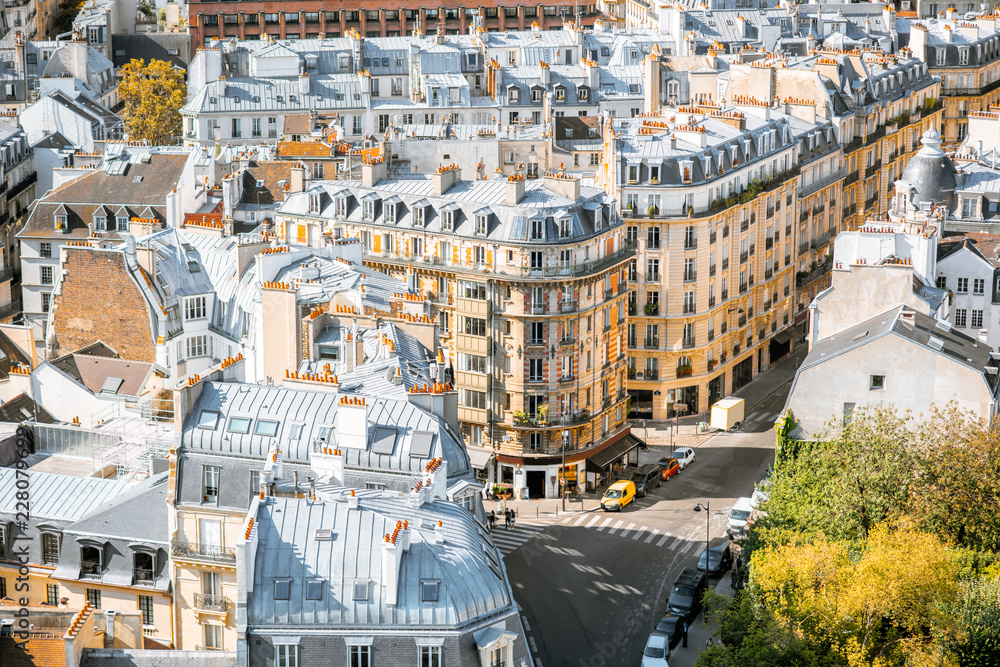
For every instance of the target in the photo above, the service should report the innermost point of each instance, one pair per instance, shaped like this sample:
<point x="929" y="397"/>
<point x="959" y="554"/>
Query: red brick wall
<point x="100" y="301"/>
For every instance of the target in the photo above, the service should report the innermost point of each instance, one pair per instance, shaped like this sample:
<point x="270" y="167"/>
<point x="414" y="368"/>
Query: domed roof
<point x="931" y="173"/>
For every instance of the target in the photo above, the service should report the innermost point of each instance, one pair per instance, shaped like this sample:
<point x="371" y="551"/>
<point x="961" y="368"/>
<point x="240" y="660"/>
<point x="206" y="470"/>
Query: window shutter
<point x="454" y="256"/>
<point x="468" y="256"/>
<point x="377" y="243"/>
<point x="489" y="258"/>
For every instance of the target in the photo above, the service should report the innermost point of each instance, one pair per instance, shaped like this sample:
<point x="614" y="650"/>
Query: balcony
<point x="690" y="276"/>
<point x="804" y="247"/>
<point x="804" y="215"/>
<point x="537" y="308"/>
<point x="744" y="256"/>
<point x="768" y="243"/>
<point x="210" y="602"/>
<point x="208" y="552"/>
<point x="873" y="169"/>
<point x="567" y="306"/>
<point x="651" y="374"/>
<point x="711" y="271"/>
<point x="851" y="178"/>
<point x="688" y="309"/>
<point x="30" y="180"/>
<point x="535" y="379"/>
<point x="143" y="577"/>
<point x="711" y="301"/>
<point x="871" y="202"/>
<point x="743" y="288"/>
<point x="567" y="339"/>
<point x="631" y="342"/>
<point x="687" y="343"/>
<point x="770" y="213"/>
<point x="690" y="244"/>
<point x="753" y="249"/>
<point x="712" y="237"/>
<point x="535" y="341"/>
<point x="725" y="231"/>
<point x="684" y="371"/>
<point x="651" y="343"/>
<point x="652" y="276"/>
<point x="91" y="569"/>
<point x="742" y="321"/>
<point x="725" y="294"/>
<point x="768" y="272"/>
<point x="848" y="211"/>
<point x="567" y="378"/>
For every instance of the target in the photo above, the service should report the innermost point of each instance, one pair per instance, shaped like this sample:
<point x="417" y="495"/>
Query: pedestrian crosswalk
<point x="510" y="539"/>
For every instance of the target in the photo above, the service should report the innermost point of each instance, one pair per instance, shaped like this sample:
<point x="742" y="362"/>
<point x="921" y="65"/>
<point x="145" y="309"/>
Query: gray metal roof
<point x="317" y="413"/>
<point x="58" y="497"/>
<point x="471" y="577"/>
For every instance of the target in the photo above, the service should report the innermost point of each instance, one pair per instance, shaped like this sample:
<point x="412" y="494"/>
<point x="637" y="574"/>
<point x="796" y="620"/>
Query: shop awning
<point x="479" y="457"/>
<point x="602" y="459"/>
<point x="788" y="333"/>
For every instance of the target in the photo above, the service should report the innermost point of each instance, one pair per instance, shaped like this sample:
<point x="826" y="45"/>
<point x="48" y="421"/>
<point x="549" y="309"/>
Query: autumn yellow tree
<point x="153" y="95"/>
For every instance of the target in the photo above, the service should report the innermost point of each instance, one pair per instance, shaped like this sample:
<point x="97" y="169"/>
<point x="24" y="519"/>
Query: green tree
<point x="978" y="612"/>
<point x="153" y="95"/>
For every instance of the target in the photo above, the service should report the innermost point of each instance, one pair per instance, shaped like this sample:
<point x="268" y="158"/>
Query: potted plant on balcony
<point x="631" y="306"/>
<point x="651" y="308"/>
<point x="519" y="417"/>
<point x="653" y="210"/>
<point x="711" y="365"/>
<point x="631" y="374"/>
<point x="684" y="371"/>
<point x="543" y="413"/>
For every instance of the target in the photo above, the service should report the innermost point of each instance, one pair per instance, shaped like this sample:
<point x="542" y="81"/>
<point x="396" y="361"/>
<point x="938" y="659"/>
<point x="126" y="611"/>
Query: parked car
<point x="740" y="518"/>
<point x="673" y="627"/>
<point x="618" y="495"/>
<point x="759" y="494"/>
<point x="646" y="478"/>
<point x="668" y="467"/>
<point x="656" y="651"/>
<point x="719" y="557"/>
<point x="685" y="597"/>
<point x="684" y="456"/>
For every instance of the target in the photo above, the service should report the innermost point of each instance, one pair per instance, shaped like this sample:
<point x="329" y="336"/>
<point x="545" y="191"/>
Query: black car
<point x="646" y="478"/>
<point x="671" y="626"/>
<point x="720" y="557"/>
<point x="685" y="597"/>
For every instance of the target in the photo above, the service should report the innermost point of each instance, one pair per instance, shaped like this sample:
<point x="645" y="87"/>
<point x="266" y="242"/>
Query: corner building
<point x="528" y="282"/>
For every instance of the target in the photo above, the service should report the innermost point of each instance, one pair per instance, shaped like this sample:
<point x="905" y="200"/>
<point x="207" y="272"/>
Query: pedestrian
<point x="513" y="516"/>
<point x="685" y="638"/>
<point x="709" y="643"/>
<point x="491" y="520"/>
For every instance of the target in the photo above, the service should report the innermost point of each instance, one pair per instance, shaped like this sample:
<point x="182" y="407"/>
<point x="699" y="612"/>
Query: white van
<point x="740" y="518"/>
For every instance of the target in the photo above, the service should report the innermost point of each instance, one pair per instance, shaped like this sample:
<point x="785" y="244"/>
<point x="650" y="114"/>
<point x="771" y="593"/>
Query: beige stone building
<point x="527" y="281"/>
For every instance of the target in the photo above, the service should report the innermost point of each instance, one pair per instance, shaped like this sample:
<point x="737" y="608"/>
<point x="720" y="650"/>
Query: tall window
<point x="51" y="594"/>
<point x="430" y="656"/>
<point x="286" y="655"/>
<point x="198" y="346"/>
<point x="978" y="285"/>
<point x="94" y="597"/>
<point x="194" y="308"/>
<point x="360" y="656"/>
<point x="50" y="548"/>
<point x="46" y="275"/>
<point x="960" y="317"/>
<point x="146" y="608"/>
<point x="210" y="484"/>
<point x="213" y="637"/>
<point x="963" y="286"/>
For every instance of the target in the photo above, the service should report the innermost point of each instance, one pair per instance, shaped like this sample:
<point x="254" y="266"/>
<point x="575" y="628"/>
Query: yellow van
<point x="618" y="495"/>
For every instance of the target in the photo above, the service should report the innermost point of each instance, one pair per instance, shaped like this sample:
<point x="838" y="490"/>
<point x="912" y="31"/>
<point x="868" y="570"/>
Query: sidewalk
<point x="683" y="432"/>
<point x="548" y="507"/>
<point x="700" y="631"/>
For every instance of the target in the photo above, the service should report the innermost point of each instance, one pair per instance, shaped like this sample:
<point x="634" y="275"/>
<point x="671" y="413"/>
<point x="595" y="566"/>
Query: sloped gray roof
<point x="472" y="581"/>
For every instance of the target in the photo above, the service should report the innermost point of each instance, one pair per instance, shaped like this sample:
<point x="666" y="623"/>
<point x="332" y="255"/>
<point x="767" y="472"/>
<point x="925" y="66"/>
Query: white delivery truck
<point x="727" y="413"/>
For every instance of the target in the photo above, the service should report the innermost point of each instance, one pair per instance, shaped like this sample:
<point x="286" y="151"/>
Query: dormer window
<point x="314" y="203"/>
<point x="100" y="223"/>
<point x="560" y="93"/>
<point x="963" y="56"/>
<point x="448" y="221"/>
<point x="565" y="228"/>
<point x="341" y="207"/>
<point x="91" y="561"/>
<point x="369" y="209"/>
<point x="513" y="95"/>
<point x="418" y="216"/>
<point x="536" y="94"/>
<point x="537" y="229"/>
<point x="121" y="223"/>
<point x="482" y="221"/>
<point x="143" y="568"/>
<point x="582" y="93"/>
<point x="390" y="213"/>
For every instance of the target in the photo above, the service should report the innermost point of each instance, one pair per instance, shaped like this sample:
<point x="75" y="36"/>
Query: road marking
<point x="652" y="535"/>
<point x="581" y="519"/>
<point x="531" y="640"/>
<point x="676" y="543"/>
<point x="524" y="621"/>
<point x="662" y="540"/>
<point x="604" y="525"/>
<point x="639" y="532"/>
<point x="567" y="519"/>
<point x="597" y="517"/>
<point x="751" y="416"/>
<point x="687" y="548"/>
<point x="626" y="530"/>
<point x="617" y="526"/>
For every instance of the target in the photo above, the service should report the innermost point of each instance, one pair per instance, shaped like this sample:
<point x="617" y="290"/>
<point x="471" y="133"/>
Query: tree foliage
<point x="880" y="546"/>
<point x="153" y="95"/>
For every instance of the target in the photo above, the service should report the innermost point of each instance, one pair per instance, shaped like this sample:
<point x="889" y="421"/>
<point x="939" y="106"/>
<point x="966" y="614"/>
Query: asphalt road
<point x="592" y="587"/>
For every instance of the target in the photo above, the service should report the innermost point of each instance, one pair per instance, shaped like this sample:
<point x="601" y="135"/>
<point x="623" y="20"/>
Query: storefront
<point x="604" y="466"/>
<point x="537" y="477"/>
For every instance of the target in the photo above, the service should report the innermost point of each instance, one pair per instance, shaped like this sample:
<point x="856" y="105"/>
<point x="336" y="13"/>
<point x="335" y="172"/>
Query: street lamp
<point x="708" y="527"/>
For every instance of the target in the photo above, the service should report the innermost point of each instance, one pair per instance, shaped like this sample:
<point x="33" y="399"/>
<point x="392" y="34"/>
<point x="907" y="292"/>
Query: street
<point x="591" y="586"/>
